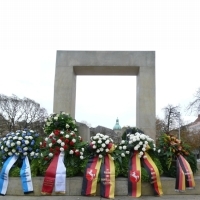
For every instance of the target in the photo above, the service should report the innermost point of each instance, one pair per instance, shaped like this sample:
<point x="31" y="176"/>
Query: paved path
<point x="164" y="197"/>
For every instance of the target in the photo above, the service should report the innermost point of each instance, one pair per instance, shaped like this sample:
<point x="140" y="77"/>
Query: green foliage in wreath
<point x="62" y="121"/>
<point x="169" y="148"/>
<point x="130" y="130"/>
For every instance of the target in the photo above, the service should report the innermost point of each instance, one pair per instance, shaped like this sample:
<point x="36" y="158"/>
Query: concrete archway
<point x="69" y="64"/>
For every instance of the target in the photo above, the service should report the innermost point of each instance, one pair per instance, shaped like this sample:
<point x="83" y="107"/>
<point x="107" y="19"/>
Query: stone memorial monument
<point x="70" y="64"/>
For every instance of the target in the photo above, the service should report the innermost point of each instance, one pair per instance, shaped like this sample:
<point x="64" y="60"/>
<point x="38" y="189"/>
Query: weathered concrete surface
<point x="69" y="64"/>
<point x="73" y="187"/>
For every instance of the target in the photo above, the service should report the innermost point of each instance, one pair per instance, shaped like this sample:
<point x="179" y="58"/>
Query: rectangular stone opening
<point x="101" y="98"/>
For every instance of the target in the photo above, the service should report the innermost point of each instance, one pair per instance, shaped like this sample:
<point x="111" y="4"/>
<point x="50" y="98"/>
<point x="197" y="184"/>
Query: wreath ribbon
<point x="25" y="174"/>
<point x="55" y="175"/>
<point x="106" y="168"/>
<point x="134" y="175"/>
<point x="184" y="175"/>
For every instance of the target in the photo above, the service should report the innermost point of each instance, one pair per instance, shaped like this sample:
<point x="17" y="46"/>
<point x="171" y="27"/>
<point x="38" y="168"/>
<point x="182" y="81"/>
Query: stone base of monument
<point x="73" y="187"/>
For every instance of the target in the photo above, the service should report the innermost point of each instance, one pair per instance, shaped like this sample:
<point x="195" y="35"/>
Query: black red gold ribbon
<point x="107" y="175"/>
<point x="153" y="172"/>
<point x="107" y="186"/>
<point x="134" y="176"/>
<point x="184" y="175"/>
<point x="91" y="176"/>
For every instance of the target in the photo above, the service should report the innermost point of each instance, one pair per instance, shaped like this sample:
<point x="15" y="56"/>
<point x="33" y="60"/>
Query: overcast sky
<point x="32" y="31"/>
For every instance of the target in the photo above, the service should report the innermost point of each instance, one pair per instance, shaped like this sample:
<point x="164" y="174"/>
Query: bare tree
<point x="21" y="113"/>
<point x="172" y="117"/>
<point x="10" y="108"/>
<point x="194" y="106"/>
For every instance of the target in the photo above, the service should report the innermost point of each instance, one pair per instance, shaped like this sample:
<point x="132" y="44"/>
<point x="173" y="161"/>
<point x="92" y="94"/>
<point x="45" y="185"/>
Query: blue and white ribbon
<point x="60" y="179"/>
<point x="5" y="172"/>
<point x="25" y="174"/>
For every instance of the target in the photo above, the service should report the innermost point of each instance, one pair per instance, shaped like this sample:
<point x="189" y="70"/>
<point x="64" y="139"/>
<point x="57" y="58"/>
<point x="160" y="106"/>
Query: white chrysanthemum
<point x="25" y="148"/>
<point x="62" y="144"/>
<point x="13" y="150"/>
<point x="71" y="152"/>
<point x="100" y="156"/>
<point x="32" y="153"/>
<point x="107" y="142"/>
<point x="59" y="141"/>
<point x="61" y="132"/>
<point x="106" y="150"/>
<point x="50" y="144"/>
<point x="127" y="152"/>
<point x="101" y="149"/>
<point x="123" y="141"/>
<point x="25" y="153"/>
<point x="140" y="143"/>
<point x="144" y="157"/>
<point x="124" y="147"/>
<point x="61" y="149"/>
<point x="113" y="158"/>
<point x="94" y="146"/>
<point x="143" y="149"/>
<point x="8" y="143"/>
<point x="30" y="137"/>
<point x="12" y="144"/>
<point x="72" y="133"/>
<point x="26" y="142"/>
<point x="120" y="147"/>
<point x="81" y="153"/>
<point x="67" y="125"/>
<point x="52" y="134"/>
<point x="10" y="153"/>
<point x="122" y="155"/>
<point x="136" y="148"/>
<point x="46" y="139"/>
<point x="50" y="154"/>
<point x="16" y="153"/>
<point x="73" y="140"/>
<point x="103" y="145"/>
<point x="141" y="153"/>
<point x="81" y="157"/>
<point x="15" y="138"/>
<point x="93" y="142"/>
<point x="20" y="138"/>
<point x="159" y="150"/>
<point x="99" y="141"/>
<point x="26" y="137"/>
<point x="67" y="136"/>
<point x="75" y="129"/>
<point x="97" y="150"/>
<point x="56" y="118"/>
<point x="83" y="149"/>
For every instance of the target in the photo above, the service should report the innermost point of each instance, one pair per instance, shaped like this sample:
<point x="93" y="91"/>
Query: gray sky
<point x="32" y="31"/>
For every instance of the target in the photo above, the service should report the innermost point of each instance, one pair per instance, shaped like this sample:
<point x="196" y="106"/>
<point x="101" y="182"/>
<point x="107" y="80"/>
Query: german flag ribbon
<point x="107" y="172"/>
<point x="184" y="175"/>
<point x="153" y="172"/>
<point x="49" y="178"/>
<point x="90" y="177"/>
<point x="134" y="176"/>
